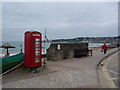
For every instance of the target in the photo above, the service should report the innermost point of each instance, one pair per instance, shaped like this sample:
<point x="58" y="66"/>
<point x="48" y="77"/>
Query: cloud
<point x="63" y="20"/>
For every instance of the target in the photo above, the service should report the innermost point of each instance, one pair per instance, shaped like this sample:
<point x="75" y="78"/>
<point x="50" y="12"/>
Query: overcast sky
<point x="62" y="20"/>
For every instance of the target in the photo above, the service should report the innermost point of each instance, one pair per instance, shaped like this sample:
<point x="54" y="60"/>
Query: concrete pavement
<point x="69" y="73"/>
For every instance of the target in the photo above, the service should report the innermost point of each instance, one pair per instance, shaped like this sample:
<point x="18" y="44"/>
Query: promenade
<point x="69" y="73"/>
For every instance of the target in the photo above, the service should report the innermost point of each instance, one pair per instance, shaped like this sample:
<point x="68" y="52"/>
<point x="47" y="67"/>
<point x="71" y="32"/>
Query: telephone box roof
<point x="32" y="32"/>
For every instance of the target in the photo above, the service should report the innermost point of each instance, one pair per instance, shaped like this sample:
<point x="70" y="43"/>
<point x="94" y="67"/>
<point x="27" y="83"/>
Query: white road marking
<point x="114" y="78"/>
<point x="114" y="72"/>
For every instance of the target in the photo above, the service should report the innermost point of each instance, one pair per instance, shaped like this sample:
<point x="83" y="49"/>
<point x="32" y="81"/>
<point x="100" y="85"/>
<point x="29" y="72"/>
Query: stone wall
<point x="60" y="51"/>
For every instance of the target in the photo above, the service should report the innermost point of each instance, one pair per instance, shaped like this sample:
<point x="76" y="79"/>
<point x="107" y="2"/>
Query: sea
<point x="16" y="50"/>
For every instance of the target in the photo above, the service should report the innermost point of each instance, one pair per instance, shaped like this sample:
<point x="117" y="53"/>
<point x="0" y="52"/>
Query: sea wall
<point x="60" y="51"/>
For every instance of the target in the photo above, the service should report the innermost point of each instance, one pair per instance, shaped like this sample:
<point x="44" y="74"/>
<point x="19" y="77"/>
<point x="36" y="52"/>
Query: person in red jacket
<point x="104" y="47"/>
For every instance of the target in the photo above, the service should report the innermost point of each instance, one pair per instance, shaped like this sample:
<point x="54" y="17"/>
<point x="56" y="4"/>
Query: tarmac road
<point x="113" y="68"/>
<point x="109" y="72"/>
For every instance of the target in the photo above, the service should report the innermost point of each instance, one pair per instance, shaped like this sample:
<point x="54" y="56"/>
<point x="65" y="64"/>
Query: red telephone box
<point x="33" y="49"/>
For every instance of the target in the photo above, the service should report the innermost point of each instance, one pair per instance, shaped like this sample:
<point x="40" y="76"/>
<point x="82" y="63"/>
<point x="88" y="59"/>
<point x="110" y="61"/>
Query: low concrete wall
<point x="60" y="51"/>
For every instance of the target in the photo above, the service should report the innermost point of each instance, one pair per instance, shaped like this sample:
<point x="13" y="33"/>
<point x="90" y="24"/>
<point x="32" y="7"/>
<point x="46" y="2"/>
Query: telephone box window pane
<point x="36" y="61"/>
<point x="37" y="42"/>
<point x="37" y="45"/>
<point x="37" y="51"/>
<point x="36" y="58"/>
<point x="37" y="48"/>
<point x="37" y="55"/>
<point x="37" y="39"/>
